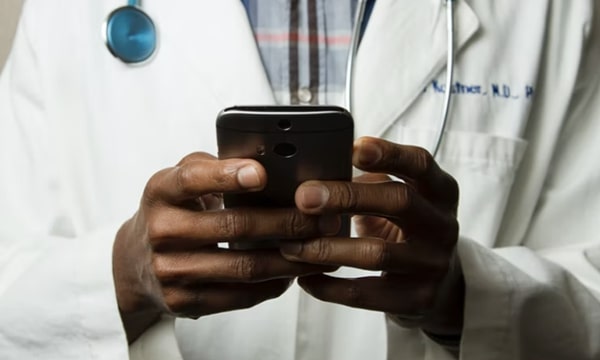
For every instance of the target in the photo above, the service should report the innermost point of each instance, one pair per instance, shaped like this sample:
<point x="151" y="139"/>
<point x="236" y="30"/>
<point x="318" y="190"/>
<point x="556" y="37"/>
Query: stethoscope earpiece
<point x="130" y="34"/>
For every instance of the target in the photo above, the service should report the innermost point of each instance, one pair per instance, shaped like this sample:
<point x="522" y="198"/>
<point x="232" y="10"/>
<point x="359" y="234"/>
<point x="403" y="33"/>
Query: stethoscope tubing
<point x="359" y="16"/>
<point x="450" y="64"/>
<point x="449" y="77"/>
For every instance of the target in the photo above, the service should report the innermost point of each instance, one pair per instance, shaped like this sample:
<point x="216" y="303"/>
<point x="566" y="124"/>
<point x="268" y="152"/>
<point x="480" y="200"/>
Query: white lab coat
<point x="80" y="134"/>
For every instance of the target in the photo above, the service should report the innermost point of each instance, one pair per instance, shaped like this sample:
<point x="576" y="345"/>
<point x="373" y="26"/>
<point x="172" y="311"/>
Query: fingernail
<point x="329" y="224"/>
<point x="314" y="196"/>
<point x="369" y="154"/>
<point x="291" y="248"/>
<point x="248" y="177"/>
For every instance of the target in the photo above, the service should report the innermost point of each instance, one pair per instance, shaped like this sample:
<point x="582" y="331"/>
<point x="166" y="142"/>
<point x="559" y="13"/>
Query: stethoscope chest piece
<point x="130" y="34"/>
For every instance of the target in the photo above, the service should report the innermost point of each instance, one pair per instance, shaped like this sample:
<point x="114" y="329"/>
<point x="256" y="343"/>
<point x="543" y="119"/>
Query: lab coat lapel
<point x="403" y="49"/>
<point x="233" y="65"/>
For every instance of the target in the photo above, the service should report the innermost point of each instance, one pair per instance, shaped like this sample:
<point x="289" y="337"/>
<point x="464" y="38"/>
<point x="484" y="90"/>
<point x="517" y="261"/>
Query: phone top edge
<point x="292" y="119"/>
<point x="290" y="112"/>
<point x="285" y="109"/>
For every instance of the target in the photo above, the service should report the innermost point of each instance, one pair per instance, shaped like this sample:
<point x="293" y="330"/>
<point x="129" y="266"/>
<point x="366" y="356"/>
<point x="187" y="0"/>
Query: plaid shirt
<point x="304" y="46"/>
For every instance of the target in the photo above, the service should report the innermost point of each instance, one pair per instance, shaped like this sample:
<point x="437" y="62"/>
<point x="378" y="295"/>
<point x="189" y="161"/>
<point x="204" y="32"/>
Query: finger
<point x="371" y="178"/>
<point x="368" y="254"/>
<point x="392" y="200"/>
<point x="212" y="201"/>
<point x="375" y="226"/>
<point x="196" y="156"/>
<point x="173" y="229"/>
<point x="221" y="265"/>
<point x="391" y="295"/>
<point x="196" y="301"/>
<point x="406" y="162"/>
<point x="204" y="176"/>
<point x="317" y="197"/>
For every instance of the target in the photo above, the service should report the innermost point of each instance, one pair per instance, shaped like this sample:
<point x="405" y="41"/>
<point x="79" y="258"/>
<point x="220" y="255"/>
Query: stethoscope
<point x="130" y="35"/>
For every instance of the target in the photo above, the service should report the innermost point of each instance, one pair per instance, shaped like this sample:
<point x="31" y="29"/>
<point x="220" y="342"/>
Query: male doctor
<point x="84" y="137"/>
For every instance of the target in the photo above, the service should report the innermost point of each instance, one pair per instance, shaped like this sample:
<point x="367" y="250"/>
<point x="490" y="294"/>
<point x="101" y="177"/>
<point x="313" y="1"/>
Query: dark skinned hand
<point x="407" y="229"/>
<point x="166" y="258"/>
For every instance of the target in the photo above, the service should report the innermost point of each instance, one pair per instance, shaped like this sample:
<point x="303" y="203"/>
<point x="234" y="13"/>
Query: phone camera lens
<point x="260" y="150"/>
<point x="285" y="150"/>
<point x="284" y="124"/>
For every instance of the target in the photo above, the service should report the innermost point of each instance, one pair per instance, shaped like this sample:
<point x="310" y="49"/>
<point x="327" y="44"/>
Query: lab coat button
<point x="305" y="95"/>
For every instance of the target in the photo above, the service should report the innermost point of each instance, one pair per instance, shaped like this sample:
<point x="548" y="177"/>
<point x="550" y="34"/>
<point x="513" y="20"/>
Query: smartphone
<point x="294" y="144"/>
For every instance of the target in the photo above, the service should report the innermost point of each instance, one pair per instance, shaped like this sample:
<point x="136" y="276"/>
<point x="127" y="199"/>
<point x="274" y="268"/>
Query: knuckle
<point x="422" y="160"/>
<point x="222" y="176"/>
<point x="199" y="155"/>
<point x="294" y="224"/>
<point x="179" y="303"/>
<point x="223" y="225"/>
<point x="233" y="224"/>
<point x="152" y="191"/>
<point x="247" y="269"/>
<point x="299" y="225"/>
<point x="447" y="191"/>
<point x="158" y="229"/>
<point x="162" y="270"/>
<point x="184" y="178"/>
<point x="172" y="300"/>
<point x="319" y="249"/>
<point x="403" y="198"/>
<point x="349" y="199"/>
<point x="380" y="254"/>
<point x="236" y="224"/>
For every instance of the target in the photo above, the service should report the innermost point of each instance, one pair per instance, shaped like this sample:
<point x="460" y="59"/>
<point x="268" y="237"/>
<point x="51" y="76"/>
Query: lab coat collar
<point x="404" y="47"/>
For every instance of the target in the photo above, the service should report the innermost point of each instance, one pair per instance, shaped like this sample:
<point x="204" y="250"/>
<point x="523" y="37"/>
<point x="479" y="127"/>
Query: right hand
<point x="166" y="258"/>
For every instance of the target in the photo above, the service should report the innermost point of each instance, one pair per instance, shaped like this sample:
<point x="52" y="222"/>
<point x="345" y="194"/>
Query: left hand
<point x="408" y="230"/>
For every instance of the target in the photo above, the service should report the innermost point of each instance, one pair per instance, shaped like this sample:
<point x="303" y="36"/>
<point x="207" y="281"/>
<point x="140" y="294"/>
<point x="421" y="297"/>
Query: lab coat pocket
<point x="484" y="166"/>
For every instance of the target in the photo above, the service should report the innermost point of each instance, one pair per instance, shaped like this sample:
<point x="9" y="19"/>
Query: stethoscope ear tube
<point x="449" y="77"/>
<point x="130" y="34"/>
<point x="355" y="40"/>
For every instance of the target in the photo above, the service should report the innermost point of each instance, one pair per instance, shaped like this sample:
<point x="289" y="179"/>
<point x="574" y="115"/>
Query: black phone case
<point x="293" y="143"/>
